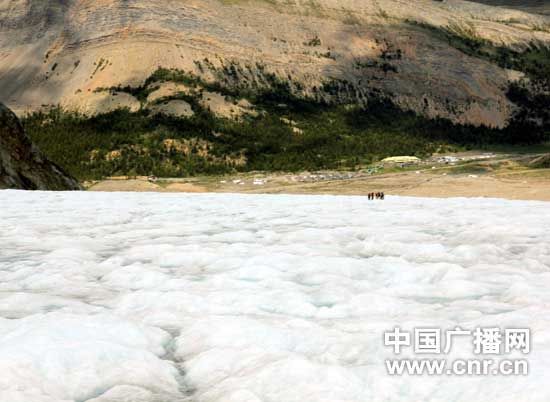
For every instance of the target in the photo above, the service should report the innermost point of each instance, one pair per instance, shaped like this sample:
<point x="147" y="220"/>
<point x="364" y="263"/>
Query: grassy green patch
<point x="472" y="168"/>
<point x="541" y="162"/>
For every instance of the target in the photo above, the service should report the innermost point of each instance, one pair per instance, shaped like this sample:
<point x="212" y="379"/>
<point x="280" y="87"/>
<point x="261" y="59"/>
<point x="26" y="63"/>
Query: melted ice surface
<point x="233" y="298"/>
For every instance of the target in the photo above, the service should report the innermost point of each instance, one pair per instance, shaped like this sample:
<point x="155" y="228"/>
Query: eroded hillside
<point x="533" y="6"/>
<point x="62" y="51"/>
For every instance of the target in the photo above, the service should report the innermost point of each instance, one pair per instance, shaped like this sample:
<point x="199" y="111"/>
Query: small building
<point x="402" y="159"/>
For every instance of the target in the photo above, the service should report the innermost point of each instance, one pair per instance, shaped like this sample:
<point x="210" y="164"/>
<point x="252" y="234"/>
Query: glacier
<point x="111" y="297"/>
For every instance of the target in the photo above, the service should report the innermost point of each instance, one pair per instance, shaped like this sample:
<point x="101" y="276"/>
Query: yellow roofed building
<point x="401" y="159"/>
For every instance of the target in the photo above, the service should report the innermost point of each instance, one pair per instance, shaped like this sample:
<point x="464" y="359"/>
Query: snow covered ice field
<point x="233" y="298"/>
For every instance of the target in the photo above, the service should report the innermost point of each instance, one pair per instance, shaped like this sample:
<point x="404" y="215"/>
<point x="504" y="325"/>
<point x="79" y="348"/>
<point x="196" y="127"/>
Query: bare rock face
<point x="22" y="166"/>
<point x="61" y="51"/>
<point x="533" y="6"/>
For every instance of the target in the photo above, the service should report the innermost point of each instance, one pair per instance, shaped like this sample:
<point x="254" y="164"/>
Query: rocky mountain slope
<point x="533" y="6"/>
<point x="343" y="51"/>
<point x="22" y="166"/>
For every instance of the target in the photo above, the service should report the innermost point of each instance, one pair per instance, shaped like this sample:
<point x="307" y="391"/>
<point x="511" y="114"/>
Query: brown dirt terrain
<point x="143" y="185"/>
<point x="499" y="177"/>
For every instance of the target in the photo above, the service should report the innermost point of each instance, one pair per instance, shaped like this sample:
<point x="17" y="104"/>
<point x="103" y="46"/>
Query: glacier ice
<point x="236" y="298"/>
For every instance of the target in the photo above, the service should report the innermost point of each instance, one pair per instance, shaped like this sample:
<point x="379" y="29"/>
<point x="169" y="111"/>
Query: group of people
<point x="376" y="196"/>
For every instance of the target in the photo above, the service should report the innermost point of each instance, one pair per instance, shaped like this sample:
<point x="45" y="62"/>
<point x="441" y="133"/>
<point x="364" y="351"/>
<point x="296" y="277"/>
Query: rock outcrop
<point x="62" y="51"/>
<point x="22" y="166"/>
<point x="533" y="6"/>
